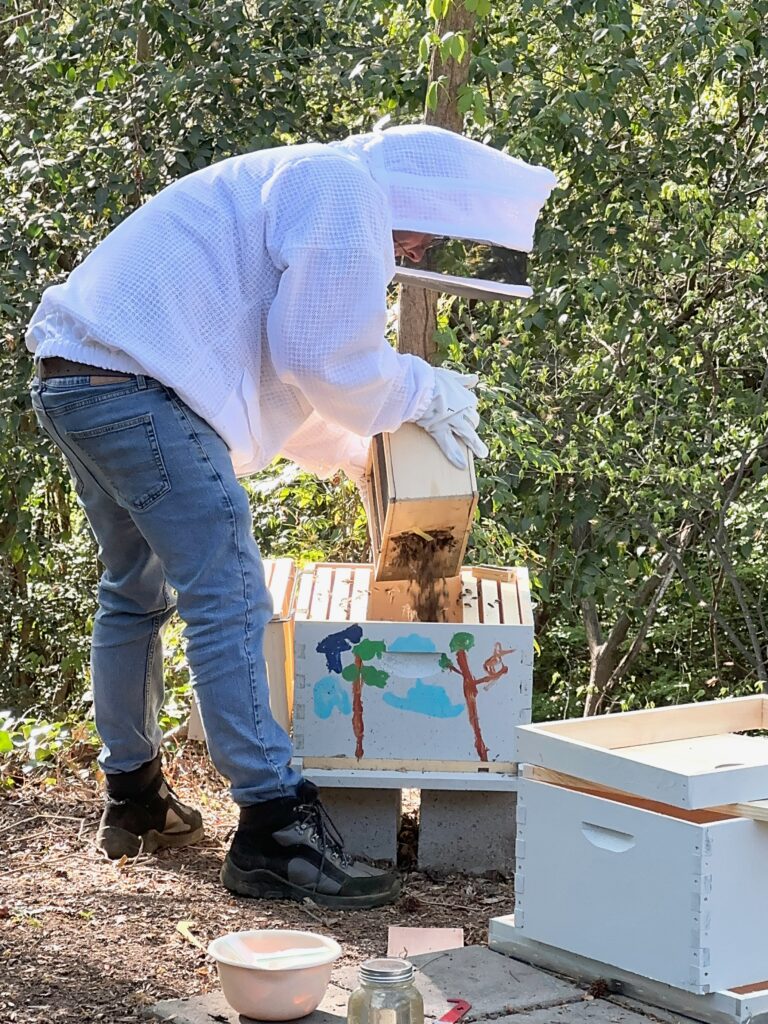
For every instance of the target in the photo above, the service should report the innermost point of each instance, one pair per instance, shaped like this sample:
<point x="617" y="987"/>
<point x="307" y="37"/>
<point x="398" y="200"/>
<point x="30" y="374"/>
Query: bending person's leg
<point x="126" y="652"/>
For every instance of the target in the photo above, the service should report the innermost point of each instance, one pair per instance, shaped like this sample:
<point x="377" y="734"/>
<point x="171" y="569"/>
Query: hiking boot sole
<point x="119" y="842"/>
<point x="264" y="885"/>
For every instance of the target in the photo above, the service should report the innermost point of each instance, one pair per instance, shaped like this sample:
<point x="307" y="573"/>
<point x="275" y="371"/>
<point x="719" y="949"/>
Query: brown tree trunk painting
<point x="494" y="669"/>
<point x="358" y="724"/>
<point x="470" y="696"/>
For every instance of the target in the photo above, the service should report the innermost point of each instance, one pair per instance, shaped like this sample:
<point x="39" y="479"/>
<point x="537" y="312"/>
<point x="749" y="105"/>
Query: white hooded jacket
<point x="256" y="288"/>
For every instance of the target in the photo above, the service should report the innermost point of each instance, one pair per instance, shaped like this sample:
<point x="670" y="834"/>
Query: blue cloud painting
<point x="413" y="642"/>
<point x="330" y="694"/>
<point x="424" y="699"/>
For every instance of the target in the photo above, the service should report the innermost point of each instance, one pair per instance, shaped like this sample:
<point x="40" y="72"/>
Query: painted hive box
<point x="280" y="574"/>
<point x="376" y="689"/>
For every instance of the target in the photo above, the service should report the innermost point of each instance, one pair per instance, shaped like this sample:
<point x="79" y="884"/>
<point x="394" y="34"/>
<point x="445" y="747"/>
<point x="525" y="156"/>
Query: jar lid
<point x="387" y="971"/>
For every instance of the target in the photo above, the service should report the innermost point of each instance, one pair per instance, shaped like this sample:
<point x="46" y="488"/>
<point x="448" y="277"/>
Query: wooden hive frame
<point x="346" y="592"/>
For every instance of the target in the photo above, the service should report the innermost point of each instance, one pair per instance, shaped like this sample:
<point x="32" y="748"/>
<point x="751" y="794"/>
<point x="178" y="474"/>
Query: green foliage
<point x="100" y="108"/>
<point x="622" y="406"/>
<point x="367" y="650"/>
<point x="374" y="676"/>
<point x="34" y="746"/>
<point x="627" y="401"/>
<point x="298" y="516"/>
<point x="462" y="642"/>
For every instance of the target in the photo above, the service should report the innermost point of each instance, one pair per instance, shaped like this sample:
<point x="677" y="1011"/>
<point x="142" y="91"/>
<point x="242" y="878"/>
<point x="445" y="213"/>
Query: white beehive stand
<point x="413" y="488"/>
<point x="280" y="574"/>
<point x="641" y="843"/>
<point x="409" y="680"/>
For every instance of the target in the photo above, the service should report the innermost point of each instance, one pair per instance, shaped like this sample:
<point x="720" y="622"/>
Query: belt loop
<point x="141" y="382"/>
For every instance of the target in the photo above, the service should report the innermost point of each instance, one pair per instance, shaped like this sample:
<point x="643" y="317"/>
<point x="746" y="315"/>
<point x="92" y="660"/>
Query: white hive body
<point x="642" y="842"/>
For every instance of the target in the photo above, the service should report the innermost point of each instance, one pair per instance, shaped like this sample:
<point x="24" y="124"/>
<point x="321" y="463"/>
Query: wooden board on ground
<point x="741" y="1005"/>
<point x="407" y="942"/>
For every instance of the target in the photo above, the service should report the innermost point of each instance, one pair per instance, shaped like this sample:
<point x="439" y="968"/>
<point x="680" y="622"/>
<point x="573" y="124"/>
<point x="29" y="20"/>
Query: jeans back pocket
<point x="126" y="454"/>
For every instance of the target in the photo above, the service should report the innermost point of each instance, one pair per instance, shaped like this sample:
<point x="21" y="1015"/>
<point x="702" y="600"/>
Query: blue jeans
<point x="158" y="488"/>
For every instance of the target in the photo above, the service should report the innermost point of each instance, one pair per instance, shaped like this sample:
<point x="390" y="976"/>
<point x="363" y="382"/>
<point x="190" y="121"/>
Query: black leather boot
<point x="290" y="849"/>
<point x="143" y="814"/>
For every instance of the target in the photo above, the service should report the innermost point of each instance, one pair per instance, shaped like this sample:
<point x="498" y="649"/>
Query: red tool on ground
<point x="460" y="1007"/>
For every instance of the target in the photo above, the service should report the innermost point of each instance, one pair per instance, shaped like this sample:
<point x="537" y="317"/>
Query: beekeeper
<point x="237" y="315"/>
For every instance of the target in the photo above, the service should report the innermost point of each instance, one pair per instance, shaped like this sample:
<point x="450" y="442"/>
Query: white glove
<point x="452" y="416"/>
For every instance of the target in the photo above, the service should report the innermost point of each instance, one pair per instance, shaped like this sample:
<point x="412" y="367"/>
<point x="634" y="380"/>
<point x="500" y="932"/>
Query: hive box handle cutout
<point x="411" y="664"/>
<point x="607" y="838"/>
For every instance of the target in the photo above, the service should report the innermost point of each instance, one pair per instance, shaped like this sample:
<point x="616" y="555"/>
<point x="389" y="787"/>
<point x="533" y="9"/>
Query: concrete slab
<point x="492" y="983"/>
<point x="501" y="991"/>
<point x="368" y="820"/>
<point x="597" y="1011"/>
<point x="654" y="1014"/>
<point x="214" y="1009"/>
<point x="470" y="832"/>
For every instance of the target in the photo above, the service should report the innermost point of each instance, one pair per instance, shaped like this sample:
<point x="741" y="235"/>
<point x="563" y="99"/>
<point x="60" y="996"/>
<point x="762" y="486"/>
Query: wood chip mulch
<point x="83" y="939"/>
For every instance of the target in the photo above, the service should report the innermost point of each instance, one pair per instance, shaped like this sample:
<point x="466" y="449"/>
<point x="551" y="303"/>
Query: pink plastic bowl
<point x="275" y="994"/>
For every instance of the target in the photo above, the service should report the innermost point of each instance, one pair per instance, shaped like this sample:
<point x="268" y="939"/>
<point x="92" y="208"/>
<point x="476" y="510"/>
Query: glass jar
<point x="386" y="995"/>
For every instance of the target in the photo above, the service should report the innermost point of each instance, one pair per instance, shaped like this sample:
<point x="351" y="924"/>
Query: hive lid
<point x="691" y="755"/>
<point x="466" y="287"/>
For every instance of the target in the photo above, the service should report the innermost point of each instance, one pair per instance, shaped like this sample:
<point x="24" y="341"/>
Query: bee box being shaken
<point x="420" y="506"/>
<point x="377" y="689"/>
<point x="279" y="575"/>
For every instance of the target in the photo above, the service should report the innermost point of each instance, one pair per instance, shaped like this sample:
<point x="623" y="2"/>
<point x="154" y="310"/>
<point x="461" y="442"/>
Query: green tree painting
<point x="359" y="673"/>
<point x="494" y="669"/>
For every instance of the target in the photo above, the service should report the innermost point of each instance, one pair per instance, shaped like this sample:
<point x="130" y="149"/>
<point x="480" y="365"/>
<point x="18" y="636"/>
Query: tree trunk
<point x="143" y="52"/>
<point x="418" y="308"/>
<point x="358" y="724"/>
<point x="607" y="664"/>
<point x="470" y="696"/>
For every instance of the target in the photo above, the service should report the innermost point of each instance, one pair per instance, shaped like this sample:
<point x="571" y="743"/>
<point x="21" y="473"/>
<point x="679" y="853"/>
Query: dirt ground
<point x="83" y="939"/>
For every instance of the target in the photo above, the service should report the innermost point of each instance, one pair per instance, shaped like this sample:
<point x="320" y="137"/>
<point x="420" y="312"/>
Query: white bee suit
<point x="256" y="288"/>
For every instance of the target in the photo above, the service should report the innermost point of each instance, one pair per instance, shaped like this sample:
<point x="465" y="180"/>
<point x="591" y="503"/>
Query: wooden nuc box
<point x="642" y="842"/>
<point x="420" y="506"/>
<point x="279" y="574"/>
